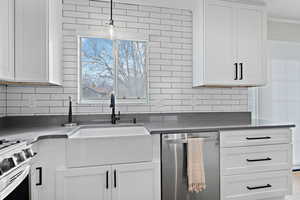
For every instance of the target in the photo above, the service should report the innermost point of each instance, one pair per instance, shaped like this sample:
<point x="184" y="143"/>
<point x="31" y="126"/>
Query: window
<point x="107" y="66"/>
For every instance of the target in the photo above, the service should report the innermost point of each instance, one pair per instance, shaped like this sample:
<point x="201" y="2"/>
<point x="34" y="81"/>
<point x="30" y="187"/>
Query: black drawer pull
<point x="236" y="71"/>
<point x="115" y="178"/>
<point x="107" y="174"/>
<point x="258" y="160"/>
<point x="258" y="138"/>
<point x="242" y="73"/>
<point x="40" y="170"/>
<point x="259" y="187"/>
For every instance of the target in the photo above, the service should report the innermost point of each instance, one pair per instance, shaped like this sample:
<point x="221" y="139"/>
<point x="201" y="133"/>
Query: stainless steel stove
<point x="15" y="159"/>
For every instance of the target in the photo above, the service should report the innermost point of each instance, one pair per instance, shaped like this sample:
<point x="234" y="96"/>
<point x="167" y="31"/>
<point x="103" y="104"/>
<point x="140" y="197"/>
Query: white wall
<point x="170" y="35"/>
<point x="283" y="31"/>
<point x="281" y="100"/>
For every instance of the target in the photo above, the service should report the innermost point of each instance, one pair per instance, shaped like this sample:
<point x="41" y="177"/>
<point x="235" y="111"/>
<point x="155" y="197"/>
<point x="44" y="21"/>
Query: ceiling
<point x="287" y="9"/>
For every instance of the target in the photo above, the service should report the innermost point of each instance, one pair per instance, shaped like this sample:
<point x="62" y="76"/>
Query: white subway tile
<point x="170" y="65"/>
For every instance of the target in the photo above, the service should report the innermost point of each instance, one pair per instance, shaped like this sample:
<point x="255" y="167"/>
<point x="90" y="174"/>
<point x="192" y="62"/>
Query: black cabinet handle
<point x="107" y="176"/>
<point x="259" y="160"/>
<point x="258" y="138"/>
<point x="259" y="187"/>
<point x="40" y="170"/>
<point x="241" y="71"/>
<point x="115" y="178"/>
<point x="236" y="71"/>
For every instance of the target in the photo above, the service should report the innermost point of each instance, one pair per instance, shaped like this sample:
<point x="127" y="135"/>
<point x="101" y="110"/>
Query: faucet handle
<point x="119" y="115"/>
<point x="112" y="100"/>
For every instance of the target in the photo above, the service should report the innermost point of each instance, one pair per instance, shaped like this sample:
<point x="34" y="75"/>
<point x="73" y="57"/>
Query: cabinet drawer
<point x="249" y="137"/>
<point x="256" y="186"/>
<point x="241" y="160"/>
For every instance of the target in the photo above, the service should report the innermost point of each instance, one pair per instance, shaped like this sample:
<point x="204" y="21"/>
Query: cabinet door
<point x="220" y="45"/>
<point x="35" y="181"/>
<point x="251" y="51"/>
<point x="31" y="40"/>
<point x="6" y="40"/>
<point x="134" y="182"/>
<point x="92" y="183"/>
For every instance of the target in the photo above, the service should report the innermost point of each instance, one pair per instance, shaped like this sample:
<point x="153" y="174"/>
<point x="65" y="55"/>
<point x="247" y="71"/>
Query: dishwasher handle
<point x="183" y="138"/>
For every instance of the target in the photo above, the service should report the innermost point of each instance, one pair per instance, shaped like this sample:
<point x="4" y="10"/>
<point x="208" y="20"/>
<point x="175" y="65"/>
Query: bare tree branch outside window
<point x="98" y="77"/>
<point x="131" y="69"/>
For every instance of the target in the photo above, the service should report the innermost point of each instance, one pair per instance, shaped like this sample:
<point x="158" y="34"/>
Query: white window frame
<point x="118" y="35"/>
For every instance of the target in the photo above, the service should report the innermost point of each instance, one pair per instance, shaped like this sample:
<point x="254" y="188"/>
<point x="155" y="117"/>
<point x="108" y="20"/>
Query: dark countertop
<point x="166" y="127"/>
<point x="156" y="126"/>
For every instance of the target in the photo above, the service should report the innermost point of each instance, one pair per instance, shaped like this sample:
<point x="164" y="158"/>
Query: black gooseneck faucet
<point x="114" y="118"/>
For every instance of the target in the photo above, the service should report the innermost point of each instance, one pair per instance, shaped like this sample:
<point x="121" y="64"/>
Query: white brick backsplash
<point x="150" y="9"/>
<point x="88" y="9"/>
<point x="69" y="7"/>
<point x="170" y="65"/>
<point x="75" y="14"/>
<point x="138" y="13"/>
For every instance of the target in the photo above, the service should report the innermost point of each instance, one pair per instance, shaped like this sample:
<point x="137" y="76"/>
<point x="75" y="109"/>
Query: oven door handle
<point x="184" y="140"/>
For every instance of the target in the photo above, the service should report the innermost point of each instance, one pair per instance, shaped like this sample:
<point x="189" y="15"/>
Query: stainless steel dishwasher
<point x="174" y="167"/>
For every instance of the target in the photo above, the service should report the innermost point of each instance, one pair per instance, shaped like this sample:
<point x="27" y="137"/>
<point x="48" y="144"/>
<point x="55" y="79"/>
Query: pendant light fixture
<point x="111" y="21"/>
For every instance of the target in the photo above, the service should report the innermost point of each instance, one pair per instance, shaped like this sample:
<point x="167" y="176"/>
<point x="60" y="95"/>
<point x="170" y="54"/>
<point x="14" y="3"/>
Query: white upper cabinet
<point x="220" y="53"/>
<point x="38" y="33"/>
<point x="233" y="37"/>
<point x="251" y="46"/>
<point x="6" y="40"/>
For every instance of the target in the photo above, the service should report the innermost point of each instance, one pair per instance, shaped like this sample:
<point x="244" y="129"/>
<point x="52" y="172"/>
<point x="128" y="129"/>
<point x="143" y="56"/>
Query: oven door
<point x="17" y="184"/>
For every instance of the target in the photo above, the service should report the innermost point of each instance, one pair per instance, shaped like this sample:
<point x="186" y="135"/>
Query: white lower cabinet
<point x="243" y="160"/>
<point x="34" y="183"/>
<point x="116" y="182"/>
<point x="256" y="164"/>
<point x="135" y="182"/>
<point x="83" y="183"/>
<point x="256" y="186"/>
<point x="52" y="179"/>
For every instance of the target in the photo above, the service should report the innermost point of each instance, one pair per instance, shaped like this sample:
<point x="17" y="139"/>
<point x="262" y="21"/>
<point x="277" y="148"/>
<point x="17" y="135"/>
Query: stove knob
<point x="7" y="164"/>
<point x="28" y="153"/>
<point x="20" y="157"/>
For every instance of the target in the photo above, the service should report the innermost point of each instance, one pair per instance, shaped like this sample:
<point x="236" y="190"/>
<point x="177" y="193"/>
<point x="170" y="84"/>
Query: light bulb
<point x="111" y="31"/>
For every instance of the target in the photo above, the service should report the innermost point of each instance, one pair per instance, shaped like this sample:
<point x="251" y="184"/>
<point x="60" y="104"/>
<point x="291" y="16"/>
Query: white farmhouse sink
<point x="92" y="146"/>
<point x="110" y="132"/>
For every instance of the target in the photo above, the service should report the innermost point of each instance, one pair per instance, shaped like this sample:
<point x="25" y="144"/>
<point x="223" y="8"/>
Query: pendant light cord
<point x="111" y="21"/>
<point x="111" y="13"/>
<point x="111" y="10"/>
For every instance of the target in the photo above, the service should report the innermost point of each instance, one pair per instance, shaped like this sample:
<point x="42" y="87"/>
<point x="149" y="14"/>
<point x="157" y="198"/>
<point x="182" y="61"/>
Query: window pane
<point x="97" y="60"/>
<point x="132" y="73"/>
